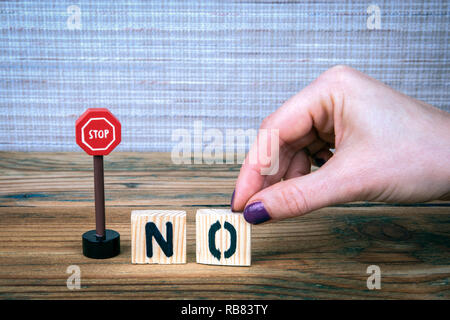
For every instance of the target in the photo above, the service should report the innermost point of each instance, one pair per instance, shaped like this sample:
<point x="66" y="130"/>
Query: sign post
<point x="98" y="132"/>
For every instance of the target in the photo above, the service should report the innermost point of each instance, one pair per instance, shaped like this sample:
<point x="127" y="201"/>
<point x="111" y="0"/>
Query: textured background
<point x="159" y="66"/>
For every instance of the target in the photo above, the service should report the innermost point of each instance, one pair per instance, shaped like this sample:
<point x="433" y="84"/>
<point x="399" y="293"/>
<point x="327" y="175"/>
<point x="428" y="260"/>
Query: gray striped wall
<point x="161" y="65"/>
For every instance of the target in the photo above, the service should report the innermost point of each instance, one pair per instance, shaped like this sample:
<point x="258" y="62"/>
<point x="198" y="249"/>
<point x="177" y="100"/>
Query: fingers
<point x="322" y="156"/>
<point x="298" y="196"/>
<point x="301" y="163"/>
<point x="286" y="158"/>
<point x="299" y="166"/>
<point x="316" y="146"/>
<point x="313" y="107"/>
<point x="251" y="179"/>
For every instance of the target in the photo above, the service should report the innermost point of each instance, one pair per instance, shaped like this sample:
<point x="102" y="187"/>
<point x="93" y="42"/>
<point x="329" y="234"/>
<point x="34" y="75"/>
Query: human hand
<point x="388" y="147"/>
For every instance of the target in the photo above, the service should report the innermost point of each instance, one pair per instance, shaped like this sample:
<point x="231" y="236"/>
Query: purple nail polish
<point x="232" y="200"/>
<point x="255" y="213"/>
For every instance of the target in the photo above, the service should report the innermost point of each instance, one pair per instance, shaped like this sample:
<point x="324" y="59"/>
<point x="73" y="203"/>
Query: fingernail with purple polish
<point x="255" y="213"/>
<point x="232" y="200"/>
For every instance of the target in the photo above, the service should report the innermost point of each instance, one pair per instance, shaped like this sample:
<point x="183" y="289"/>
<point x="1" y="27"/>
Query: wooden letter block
<point x="223" y="237"/>
<point x="158" y="236"/>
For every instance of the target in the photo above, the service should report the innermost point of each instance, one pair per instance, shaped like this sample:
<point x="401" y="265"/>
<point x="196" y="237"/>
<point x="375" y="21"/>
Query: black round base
<point x="101" y="248"/>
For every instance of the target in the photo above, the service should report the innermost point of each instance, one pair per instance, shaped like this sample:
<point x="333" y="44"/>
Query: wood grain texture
<point x="139" y="219"/>
<point x="46" y="203"/>
<point x="204" y="220"/>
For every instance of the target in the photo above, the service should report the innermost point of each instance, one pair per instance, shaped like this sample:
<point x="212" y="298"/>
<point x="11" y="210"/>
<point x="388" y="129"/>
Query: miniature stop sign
<point x="97" y="131"/>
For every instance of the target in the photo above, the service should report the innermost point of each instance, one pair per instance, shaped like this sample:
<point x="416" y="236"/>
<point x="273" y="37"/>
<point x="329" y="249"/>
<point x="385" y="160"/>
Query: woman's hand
<point x="389" y="147"/>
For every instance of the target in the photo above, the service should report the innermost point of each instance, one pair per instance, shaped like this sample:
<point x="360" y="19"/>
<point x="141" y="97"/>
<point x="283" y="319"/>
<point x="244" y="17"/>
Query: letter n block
<point x="223" y="237"/>
<point x="158" y="236"/>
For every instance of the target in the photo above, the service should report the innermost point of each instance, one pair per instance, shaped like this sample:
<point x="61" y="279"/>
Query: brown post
<point x="99" y="188"/>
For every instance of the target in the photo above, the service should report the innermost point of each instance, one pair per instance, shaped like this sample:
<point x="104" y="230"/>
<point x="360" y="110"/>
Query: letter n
<point x="167" y="228"/>
<point x="151" y="230"/>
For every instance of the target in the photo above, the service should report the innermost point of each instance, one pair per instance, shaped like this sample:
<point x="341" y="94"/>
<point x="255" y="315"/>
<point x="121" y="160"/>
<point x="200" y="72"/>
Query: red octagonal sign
<point x="97" y="131"/>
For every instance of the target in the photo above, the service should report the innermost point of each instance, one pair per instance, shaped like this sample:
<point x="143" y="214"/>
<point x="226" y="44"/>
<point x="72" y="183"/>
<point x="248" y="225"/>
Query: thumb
<point x="331" y="184"/>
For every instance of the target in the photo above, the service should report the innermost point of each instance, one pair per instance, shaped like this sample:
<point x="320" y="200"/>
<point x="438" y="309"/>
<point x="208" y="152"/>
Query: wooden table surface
<point x="46" y="204"/>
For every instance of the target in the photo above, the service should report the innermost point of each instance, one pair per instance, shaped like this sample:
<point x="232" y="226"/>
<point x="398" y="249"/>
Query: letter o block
<point x="158" y="236"/>
<point x="223" y="238"/>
